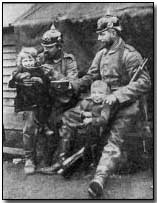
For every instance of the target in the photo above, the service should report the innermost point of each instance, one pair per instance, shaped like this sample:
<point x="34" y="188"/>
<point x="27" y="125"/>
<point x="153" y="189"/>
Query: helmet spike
<point x="51" y="37"/>
<point x="52" y="27"/>
<point x="108" y="13"/>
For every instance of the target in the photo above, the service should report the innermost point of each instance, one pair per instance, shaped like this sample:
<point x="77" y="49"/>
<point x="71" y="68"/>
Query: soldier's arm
<point x="72" y="71"/>
<point x="93" y="73"/>
<point x="136" y="88"/>
<point x="103" y="118"/>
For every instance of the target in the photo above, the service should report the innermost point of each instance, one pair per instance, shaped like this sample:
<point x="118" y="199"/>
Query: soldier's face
<point x="97" y="95"/>
<point x="28" y="62"/>
<point x="106" y="38"/>
<point x="51" y="51"/>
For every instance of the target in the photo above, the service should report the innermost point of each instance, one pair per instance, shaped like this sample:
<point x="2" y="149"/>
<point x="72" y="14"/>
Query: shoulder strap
<point x="121" y="54"/>
<point x="63" y="70"/>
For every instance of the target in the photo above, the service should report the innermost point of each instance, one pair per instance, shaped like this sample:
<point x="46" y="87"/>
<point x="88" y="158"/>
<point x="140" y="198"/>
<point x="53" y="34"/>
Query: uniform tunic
<point x="116" y="67"/>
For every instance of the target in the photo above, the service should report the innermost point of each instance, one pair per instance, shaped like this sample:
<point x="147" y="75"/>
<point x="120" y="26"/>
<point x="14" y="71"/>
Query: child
<point x="91" y="110"/>
<point x="32" y="96"/>
<point x="30" y="79"/>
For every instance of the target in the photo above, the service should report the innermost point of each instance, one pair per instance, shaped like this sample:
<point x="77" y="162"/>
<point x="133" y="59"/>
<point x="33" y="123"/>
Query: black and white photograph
<point x="78" y="100"/>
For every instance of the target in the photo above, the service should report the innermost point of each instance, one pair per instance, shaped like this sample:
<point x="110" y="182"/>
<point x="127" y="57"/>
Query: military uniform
<point x="63" y="69"/>
<point x="116" y="67"/>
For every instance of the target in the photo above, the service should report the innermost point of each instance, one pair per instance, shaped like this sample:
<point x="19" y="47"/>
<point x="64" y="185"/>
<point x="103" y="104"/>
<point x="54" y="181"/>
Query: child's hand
<point x="37" y="79"/>
<point x="47" y="68"/>
<point x="25" y="75"/>
<point x="87" y="121"/>
<point x="87" y="114"/>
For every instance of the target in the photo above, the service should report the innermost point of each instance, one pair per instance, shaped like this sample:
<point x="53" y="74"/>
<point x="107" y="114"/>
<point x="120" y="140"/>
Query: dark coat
<point x="29" y="97"/>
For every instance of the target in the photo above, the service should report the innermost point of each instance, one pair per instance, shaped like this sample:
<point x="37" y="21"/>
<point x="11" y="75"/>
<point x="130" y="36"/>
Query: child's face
<point x="97" y="95"/>
<point x="28" y="62"/>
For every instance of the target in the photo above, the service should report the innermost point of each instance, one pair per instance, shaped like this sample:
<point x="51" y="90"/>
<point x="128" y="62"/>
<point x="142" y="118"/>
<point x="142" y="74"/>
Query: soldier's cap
<point x="51" y="37"/>
<point x="108" y="22"/>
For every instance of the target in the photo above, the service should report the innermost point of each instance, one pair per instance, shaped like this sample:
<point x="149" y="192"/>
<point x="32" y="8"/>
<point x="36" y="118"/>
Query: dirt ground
<point x="16" y="185"/>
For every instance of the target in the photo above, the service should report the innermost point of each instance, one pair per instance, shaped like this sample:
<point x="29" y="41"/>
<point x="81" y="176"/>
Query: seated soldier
<point x="91" y="111"/>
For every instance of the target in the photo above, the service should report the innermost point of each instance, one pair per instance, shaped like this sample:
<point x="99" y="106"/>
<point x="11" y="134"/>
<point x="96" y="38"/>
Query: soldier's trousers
<point x="124" y="120"/>
<point x="112" y="155"/>
<point x="34" y="120"/>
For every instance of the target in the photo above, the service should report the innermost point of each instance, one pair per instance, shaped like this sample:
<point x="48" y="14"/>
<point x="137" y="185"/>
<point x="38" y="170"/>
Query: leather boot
<point x="64" y="147"/>
<point x="106" y="165"/>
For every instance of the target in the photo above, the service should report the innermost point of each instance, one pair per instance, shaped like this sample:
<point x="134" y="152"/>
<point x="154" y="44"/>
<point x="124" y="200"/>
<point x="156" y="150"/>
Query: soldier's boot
<point x="64" y="147"/>
<point x="109" y="159"/>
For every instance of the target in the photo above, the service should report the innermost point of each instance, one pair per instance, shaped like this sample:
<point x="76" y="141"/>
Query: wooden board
<point x="9" y="49"/>
<point x="9" y="90"/>
<point x="5" y="87"/>
<point x="10" y="56"/>
<point x="8" y="70"/>
<point x="9" y="94"/>
<point x="8" y="63"/>
<point x="8" y="102"/>
<point x="13" y="151"/>
<point x="6" y="79"/>
<point x="12" y="120"/>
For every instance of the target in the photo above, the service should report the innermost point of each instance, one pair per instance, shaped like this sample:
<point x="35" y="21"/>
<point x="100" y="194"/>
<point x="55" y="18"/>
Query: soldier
<point x="60" y="68"/>
<point x="115" y="63"/>
<point x="90" y="113"/>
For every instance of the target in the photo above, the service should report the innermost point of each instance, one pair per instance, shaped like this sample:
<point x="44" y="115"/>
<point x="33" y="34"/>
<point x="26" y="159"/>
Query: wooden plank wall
<point x="11" y="120"/>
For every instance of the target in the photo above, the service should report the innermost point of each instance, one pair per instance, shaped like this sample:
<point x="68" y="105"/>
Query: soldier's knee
<point x="65" y="132"/>
<point x="112" y="149"/>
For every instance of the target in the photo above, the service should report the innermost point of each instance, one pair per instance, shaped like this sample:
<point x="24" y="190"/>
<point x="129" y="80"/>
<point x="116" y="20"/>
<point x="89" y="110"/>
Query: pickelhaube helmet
<point x="51" y="37"/>
<point x="108" y="22"/>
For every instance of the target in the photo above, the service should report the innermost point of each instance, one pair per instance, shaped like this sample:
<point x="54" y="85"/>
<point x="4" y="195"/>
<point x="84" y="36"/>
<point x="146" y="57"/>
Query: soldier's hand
<point x="48" y="68"/>
<point x="70" y="86"/>
<point x="87" y="121"/>
<point x="87" y="114"/>
<point x="37" y="79"/>
<point x="110" y="99"/>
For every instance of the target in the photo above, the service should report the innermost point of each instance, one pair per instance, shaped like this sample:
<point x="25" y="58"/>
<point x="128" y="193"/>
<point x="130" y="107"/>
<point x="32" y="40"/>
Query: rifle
<point x="70" y="161"/>
<point x="139" y="70"/>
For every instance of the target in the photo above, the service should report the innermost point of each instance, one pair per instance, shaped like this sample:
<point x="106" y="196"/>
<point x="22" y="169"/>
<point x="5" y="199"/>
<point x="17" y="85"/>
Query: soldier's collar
<point x="116" y="47"/>
<point x="56" y="60"/>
